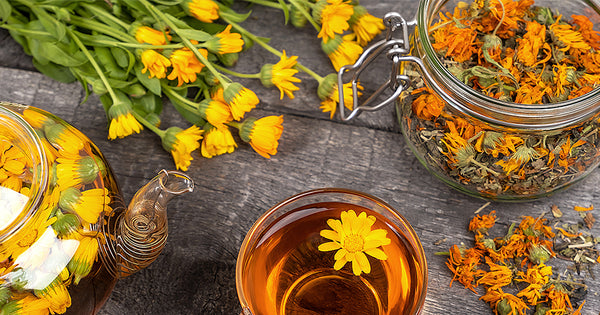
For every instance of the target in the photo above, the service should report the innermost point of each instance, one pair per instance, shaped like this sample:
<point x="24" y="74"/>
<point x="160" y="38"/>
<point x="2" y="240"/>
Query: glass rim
<point x="413" y="238"/>
<point x="37" y="154"/>
<point x="554" y="115"/>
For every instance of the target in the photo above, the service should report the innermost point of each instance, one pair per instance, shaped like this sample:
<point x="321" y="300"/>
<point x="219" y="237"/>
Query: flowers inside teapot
<point x="65" y="233"/>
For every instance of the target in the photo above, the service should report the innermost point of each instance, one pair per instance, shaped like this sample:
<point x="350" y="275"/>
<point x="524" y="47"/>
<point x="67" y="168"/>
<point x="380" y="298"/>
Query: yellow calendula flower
<point x="217" y="141"/>
<point x="81" y="170"/>
<point x="148" y="35"/>
<point x="281" y="75"/>
<point x="240" y="99"/>
<point x="263" y="134"/>
<point x="83" y="259"/>
<point x="12" y="165"/>
<point x="122" y="122"/>
<point x="329" y="93"/>
<point x="181" y="143"/>
<point x="67" y="140"/>
<point x="342" y="51"/>
<point x="57" y="296"/>
<point x="570" y="38"/>
<point x="352" y="238"/>
<point x="87" y="204"/>
<point x="185" y="65"/>
<point x="28" y="234"/>
<point x="334" y="19"/>
<point x="27" y="304"/>
<point x="35" y="118"/>
<point x="155" y="63"/>
<point x="225" y="42"/>
<point x="215" y="111"/>
<point x="204" y="10"/>
<point x="364" y="25"/>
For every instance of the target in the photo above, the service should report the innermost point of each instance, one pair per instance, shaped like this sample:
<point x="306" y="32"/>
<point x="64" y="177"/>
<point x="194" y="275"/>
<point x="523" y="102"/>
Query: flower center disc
<point x="354" y="243"/>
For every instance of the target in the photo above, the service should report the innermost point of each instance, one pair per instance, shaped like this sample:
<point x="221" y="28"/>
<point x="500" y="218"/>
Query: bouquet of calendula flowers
<point x="134" y="53"/>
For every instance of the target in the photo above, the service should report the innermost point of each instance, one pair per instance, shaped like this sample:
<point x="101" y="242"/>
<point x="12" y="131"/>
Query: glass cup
<point x="331" y="251"/>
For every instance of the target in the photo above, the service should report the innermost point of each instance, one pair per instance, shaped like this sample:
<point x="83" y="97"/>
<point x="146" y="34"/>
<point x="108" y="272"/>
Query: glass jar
<point x="66" y="235"/>
<point x="490" y="147"/>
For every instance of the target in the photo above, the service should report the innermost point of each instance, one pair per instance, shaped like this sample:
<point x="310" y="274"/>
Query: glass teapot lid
<point x="23" y="171"/>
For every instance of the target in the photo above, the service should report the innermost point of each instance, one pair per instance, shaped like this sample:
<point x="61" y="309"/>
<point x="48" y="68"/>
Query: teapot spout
<point x="141" y="231"/>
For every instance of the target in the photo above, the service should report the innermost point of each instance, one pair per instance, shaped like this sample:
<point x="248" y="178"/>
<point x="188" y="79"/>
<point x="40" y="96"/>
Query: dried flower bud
<point x="503" y="307"/>
<point x="538" y="254"/>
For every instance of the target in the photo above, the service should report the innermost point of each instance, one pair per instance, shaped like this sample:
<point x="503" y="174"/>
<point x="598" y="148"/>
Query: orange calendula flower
<point x="464" y="266"/>
<point x="570" y="38"/>
<point x="364" y="25"/>
<point x="155" y="63"/>
<point x="185" y="65"/>
<point x="342" y="51"/>
<point x="181" y="143"/>
<point x="204" y="10"/>
<point x="458" y="43"/>
<point x="531" y="43"/>
<point x="482" y="223"/>
<point x="148" y="35"/>
<point x="586" y="28"/>
<point x="351" y="237"/>
<point x="122" y="122"/>
<point x="427" y="105"/>
<point x="217" y="141"/>
<point x="497" y="277"/>
<point x="240" y="99"/>
<point x="281" y="75"/>
<point x="334" y="19"/>
<point x="263" y="134"/>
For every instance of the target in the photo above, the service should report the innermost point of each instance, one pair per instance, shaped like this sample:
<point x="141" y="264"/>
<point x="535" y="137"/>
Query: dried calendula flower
<point x="512" y="269"/>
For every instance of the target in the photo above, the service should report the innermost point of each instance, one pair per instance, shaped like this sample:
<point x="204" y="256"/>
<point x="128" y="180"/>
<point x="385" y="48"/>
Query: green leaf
<point x="188" y="115"/>
<point x="61" y="54"/>
<point x="54" y="71"/>
<point x="148" y="103"/>
<point x="232" y="15"/>
<point x="52" y="25"/>
<point x="152" y="84"/>
<point x="5" y="10"/>
<point x="195" y="34"/>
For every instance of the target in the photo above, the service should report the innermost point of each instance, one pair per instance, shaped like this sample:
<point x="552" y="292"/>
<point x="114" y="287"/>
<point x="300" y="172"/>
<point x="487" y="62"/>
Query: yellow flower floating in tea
<point x="352" y="237"/>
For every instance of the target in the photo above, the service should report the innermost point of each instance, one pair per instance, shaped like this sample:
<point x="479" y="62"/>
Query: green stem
<point x="234" y="124"/>
<point x="271" y="49"/>
<point x="501" y="19"/>
<point x="169" y="91"/>
<point x="147" y="124"/>
<point x="238" y="74"/>
<point x="266" y="3"/>
<point x="102" y="13"/>
<point x="162" y="16"/>
<point x="95" y="65"/>
<point x="306" y="14"/>
<point x="101" y="28"/>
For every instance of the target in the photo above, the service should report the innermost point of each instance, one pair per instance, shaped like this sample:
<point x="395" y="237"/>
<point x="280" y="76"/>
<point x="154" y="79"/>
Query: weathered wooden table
<point x="196" y="272"/>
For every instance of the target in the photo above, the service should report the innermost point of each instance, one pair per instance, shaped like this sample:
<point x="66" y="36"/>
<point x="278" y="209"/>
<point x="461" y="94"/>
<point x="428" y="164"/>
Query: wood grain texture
<point x="196" y="272"/>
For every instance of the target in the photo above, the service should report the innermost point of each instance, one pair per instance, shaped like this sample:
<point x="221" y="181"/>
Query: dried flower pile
<point x="135" y="53"/>
<point x="514" y="270"/>
<point x="520" y="53"/>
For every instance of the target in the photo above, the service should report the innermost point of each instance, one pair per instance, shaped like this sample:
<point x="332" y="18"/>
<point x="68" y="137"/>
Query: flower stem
<point x="266" y="3"/>
<point x="169" y="91"/>
<point x="102" y="13"/>
<point x="95" y="65"/>
<point x="307" y="15"/>
<point x="238" y="74"/>
<point x="270" y="49"/>
<point x="101" y="28"/>
<point x="147" y="124"/>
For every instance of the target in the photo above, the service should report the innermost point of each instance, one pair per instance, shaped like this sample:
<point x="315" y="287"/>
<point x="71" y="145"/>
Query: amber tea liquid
<point x="286" y="274"/>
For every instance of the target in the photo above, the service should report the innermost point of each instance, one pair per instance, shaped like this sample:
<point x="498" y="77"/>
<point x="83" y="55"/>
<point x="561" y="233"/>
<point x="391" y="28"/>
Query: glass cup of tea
<point x="331" y="251"/>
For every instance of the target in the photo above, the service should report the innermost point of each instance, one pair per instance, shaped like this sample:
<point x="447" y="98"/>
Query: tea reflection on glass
<point x="331" y="251"/>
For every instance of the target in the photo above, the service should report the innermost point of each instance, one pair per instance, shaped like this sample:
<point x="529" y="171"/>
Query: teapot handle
<point x="397" y="51"/>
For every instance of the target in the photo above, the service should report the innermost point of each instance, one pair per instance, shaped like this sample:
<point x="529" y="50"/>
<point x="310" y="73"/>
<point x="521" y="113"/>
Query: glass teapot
<point x="66" y="235"/>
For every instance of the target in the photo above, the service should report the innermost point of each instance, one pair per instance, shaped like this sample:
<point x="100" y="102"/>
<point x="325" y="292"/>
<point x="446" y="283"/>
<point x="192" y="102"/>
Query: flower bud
<point x="266" y="75"/>
<point x="296" y="17"/>
<point x="69" y="198"/>
<point x="503" y="307"/>
<point x="327" y="86"/>
<point x="332" y="44"/>
<point x="170" y="137"/>
<point x="228" y="60"/>
<point x="318" y="9"/>
<point x="65" y="223"/>
<point x="538" y="254"/>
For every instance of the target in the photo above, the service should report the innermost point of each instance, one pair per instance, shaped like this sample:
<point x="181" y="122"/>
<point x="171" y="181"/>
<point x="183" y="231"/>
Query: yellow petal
<point x="336" y="225"/>
<point x="339" y="263"/>
<point x="379" y="234"/>
<point x="363" y="262"/>
<point x="325" y="247"/>
<point x="340" y="254"/>
<point x="377" y="253"/>
<point x="356" y="269"/>
<point x="329" y="234"/>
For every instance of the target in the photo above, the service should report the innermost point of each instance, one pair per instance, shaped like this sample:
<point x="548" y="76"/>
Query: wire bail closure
<point x="397" y="51"/>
